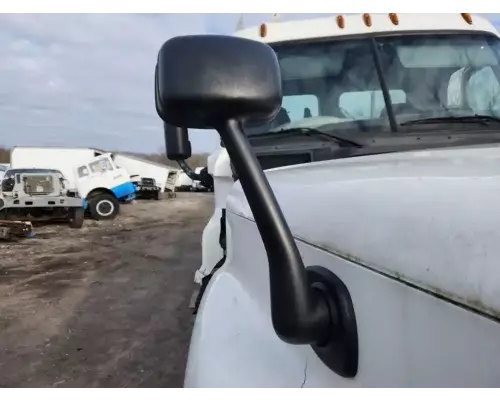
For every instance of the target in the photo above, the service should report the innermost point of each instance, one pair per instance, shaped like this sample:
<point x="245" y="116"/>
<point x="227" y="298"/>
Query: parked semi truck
<point x="100" y="182"/>
<point x="184" y="183"/>
<point x="144" y="168"/>
<point x="356" y="190"/>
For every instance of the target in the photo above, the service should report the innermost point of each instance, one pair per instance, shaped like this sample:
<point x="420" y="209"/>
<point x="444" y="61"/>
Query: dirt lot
<point x="104" y="306"/>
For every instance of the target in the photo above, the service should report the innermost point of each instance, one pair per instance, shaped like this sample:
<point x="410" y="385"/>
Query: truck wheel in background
<point x="103" y="206"/>
<point x="76" y="217"/>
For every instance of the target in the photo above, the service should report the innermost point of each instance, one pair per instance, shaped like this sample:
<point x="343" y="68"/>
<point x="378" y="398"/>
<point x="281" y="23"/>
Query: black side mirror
<point x="8" y="184"/>
<point x="220" y="82"/>
<point x="177" y="142"/>
<point x="205" y="96"/>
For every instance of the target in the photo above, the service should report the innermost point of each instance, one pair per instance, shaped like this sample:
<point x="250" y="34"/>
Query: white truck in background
<point x="143" y="168"/>
<point x="93" y="173"/>
<point x="382" y="185"/>
<point x="3" y="167"/>
<point x="184" y="183"/>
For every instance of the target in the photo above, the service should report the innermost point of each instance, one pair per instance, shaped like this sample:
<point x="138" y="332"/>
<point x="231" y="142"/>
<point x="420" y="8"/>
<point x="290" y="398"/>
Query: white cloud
<point x="86" y="79"/>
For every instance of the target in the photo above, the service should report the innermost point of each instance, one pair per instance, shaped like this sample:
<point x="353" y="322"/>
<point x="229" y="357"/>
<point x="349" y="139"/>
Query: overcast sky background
<point x="87" y="79"/>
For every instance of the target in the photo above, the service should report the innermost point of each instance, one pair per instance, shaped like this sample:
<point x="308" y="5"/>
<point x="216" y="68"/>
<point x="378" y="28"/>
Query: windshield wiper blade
<point x="475" y="119"/>
<point x="308" y="131"/>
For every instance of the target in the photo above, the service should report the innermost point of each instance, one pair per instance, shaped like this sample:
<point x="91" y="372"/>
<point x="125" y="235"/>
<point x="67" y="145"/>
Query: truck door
<point x="103" y="173"/>
<point x="83" y="180"/>
<point x="97" y="174"/>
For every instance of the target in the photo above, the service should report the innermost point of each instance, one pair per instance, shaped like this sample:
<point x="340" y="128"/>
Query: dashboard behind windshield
<point x="359" y="85"/>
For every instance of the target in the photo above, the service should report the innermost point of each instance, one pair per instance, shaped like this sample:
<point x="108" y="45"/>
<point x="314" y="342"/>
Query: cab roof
<point x="360" y="24"/>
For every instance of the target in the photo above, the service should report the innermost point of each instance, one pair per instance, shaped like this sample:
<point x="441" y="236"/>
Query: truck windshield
<point x="359" y="85"/>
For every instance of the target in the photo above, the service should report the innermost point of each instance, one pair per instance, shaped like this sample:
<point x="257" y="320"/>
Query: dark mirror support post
<point x="177" y="142"/>
<point x="294" y="303"/>
<point x="308" y="305"/>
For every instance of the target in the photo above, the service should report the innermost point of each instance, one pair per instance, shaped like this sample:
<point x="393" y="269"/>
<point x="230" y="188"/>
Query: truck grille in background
<point x="38" y="185"/>
<point x="148" y="181"/>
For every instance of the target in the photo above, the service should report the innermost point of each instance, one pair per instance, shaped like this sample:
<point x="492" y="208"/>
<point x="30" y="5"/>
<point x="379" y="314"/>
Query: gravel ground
<point x="106" y="305"/>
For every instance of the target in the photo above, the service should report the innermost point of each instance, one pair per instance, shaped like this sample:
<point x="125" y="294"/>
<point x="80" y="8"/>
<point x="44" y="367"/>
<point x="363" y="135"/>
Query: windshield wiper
<point x="474" y="119"/>
<point x="308" y="132"/>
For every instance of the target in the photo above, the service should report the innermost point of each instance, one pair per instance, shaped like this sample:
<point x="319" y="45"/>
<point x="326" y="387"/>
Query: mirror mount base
<point x="339" y="350"/>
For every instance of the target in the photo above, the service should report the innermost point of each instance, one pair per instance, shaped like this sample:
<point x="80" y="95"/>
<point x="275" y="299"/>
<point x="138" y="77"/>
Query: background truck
<point x="143" y="168"/>
<point x="170" y="186"/>
<point x="39" y="195"/>
<point x="100" y="182"/>
<point x="145" y="188"/>
<point x="183" y="183"/>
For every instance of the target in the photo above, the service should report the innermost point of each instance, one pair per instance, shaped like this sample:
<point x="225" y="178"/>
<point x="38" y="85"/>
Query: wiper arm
<point x="308" y="132"/>
<point x="474" y="119"/>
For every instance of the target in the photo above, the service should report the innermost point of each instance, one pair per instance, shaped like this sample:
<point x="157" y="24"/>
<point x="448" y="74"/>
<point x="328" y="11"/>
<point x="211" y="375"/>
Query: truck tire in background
<point x="76" y="217"/>
<point x="3" y="211"/>
<point x="103" y="206"/>
<point x="3" y="214"/>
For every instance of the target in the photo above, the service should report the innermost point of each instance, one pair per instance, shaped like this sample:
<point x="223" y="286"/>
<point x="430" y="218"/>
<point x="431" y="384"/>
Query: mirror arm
<point x="188" y="170"/>
<point x="299" y="314"/>
<point x="205" y="179"/>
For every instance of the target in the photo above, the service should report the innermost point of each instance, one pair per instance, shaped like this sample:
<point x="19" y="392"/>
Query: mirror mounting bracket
<point x="308" y="306"/>
<point x="339" y="351"/>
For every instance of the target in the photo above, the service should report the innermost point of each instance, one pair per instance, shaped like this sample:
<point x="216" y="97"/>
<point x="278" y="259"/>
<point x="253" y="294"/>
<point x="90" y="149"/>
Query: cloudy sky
<point x="87" y="79"/>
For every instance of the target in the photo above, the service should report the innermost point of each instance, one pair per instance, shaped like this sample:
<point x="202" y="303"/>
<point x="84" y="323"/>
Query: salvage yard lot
<point x="106" y="305"/>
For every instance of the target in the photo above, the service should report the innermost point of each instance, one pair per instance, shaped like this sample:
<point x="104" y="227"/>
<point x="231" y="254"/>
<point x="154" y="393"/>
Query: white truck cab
<point x="364" y="102"/>
<point x="103" y="184"/>
<point x="354" y="238"/>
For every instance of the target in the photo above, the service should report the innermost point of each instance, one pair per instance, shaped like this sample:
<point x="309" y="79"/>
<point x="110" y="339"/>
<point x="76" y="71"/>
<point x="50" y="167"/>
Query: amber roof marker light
<point x="367" y="19"/>
<point x="467" y="17"/>
<point x="263" y="30"/>
<point x="340" y="21"/>
<point x="394" y="18"/>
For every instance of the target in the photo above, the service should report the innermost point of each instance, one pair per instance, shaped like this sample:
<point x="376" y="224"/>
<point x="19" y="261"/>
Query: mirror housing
<point x="220" y="82"/>
<point x="178" y="149"/>
<point x="177" y="142"/>
<point x="214" y="79"/>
